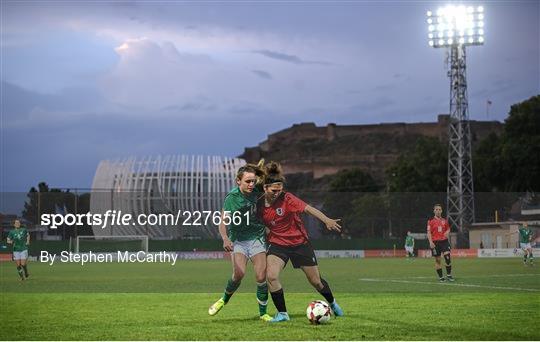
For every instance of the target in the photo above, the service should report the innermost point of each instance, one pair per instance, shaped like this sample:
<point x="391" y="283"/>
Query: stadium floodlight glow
<point x="456" y="27"/>
<point x="456" y="21"/>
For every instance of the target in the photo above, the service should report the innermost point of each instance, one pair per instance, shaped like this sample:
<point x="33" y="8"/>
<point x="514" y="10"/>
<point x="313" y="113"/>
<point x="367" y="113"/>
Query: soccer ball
<point x="318" y="312"/>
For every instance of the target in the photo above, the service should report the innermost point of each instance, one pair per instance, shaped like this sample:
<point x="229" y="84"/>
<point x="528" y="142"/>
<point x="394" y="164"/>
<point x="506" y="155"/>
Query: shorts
<point x="409" y="249"/>
<point x="249" y="247"/>
<point x="523" y="245"/>
<point x="441" y="247"/>
<point x="301" y="255"/>
<point x="22" y="255"/>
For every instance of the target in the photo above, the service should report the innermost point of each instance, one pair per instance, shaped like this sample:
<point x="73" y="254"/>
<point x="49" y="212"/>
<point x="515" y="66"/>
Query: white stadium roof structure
<point x="162" y="185"/>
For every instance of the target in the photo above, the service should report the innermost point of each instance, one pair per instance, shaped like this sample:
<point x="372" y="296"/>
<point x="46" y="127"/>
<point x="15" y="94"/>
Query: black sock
<point x="20" y="271"/>
<point x="326" y="292"/>
<point x="25" y="270"/>
<point x="525" y="258"/>
<point x="279" y="300"/>
<point x="439" y="272"/>
<point x="447" y="259"/>
<point x="449" y="269"/>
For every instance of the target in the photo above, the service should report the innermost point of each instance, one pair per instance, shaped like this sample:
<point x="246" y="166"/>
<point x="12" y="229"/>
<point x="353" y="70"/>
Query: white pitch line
<point x="487" y="276"/>
<point x="450" y="284"/>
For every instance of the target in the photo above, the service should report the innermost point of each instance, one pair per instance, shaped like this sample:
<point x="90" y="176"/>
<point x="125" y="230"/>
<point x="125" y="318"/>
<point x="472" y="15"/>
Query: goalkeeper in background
<point x="438" y="231"/>
<point x="20" y="239"/>
<point x="409" y="245"/>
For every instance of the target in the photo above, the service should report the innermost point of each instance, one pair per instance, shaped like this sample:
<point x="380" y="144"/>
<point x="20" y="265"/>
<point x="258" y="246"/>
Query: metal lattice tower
<point x="454" y="28"/>
<point x="460" y="191"/>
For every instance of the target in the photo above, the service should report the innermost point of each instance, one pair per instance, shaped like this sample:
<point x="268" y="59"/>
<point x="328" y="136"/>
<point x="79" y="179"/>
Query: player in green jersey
<point x="409" y="245"/>
<point x="244" y="235"/>
<point x="20" y="239"/>
<point x="525" y="238"/>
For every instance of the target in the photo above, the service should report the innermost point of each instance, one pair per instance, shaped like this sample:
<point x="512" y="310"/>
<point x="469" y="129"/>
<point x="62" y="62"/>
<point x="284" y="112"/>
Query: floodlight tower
<point x="454" y="28"/>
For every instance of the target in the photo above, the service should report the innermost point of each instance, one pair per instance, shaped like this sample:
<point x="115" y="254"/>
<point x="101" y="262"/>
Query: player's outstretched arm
<point x="331" y="224"/>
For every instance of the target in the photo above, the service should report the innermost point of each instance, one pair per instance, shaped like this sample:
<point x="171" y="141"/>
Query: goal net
<point x="130" y="243"/>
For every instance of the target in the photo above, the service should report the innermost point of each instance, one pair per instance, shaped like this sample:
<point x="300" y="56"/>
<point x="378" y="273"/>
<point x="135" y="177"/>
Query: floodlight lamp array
<point x="456" y="25"/>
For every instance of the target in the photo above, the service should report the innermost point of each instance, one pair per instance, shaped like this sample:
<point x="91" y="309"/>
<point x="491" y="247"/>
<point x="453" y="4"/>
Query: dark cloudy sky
<point x="86" y="81"/>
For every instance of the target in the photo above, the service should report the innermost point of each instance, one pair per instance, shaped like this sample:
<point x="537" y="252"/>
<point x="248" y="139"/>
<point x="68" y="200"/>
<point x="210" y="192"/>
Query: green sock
<point x="530" y="258"/>
<point x="231" y="287"/>
<point x="262" y="297"/>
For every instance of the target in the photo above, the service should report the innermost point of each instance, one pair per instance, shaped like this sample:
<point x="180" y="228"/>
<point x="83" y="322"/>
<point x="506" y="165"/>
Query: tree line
<point x="504" y="166"/>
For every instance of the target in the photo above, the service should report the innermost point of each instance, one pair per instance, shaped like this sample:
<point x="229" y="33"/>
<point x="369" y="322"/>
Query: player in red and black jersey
<point x="288" y="240"/>
<point x="438" y="230"/>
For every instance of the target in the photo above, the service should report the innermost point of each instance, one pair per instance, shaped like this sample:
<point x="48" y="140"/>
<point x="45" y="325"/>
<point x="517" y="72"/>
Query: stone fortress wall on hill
<point x="307" y="148"/>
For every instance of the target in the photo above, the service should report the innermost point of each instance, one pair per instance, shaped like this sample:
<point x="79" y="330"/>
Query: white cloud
<point x="153" y="75"/>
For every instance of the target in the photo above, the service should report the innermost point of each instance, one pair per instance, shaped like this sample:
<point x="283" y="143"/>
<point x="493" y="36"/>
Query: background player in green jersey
<point x="525" y="238"/>
<point x="20" y="239"/>
<point x="244" y="235"/>
<point x="409" y="245"/>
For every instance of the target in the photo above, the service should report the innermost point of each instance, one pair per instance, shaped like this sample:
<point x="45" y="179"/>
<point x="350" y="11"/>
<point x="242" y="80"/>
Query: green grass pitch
<point x="384" y="299"/>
